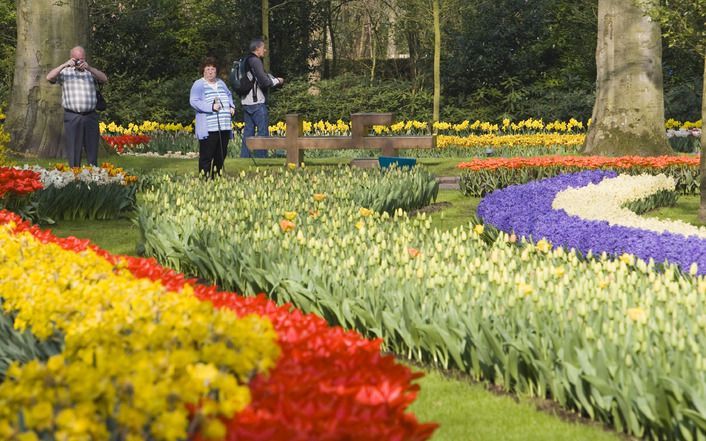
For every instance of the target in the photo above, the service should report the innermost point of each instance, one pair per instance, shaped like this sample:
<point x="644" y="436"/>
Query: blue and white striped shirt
<point x="222" y="117"/>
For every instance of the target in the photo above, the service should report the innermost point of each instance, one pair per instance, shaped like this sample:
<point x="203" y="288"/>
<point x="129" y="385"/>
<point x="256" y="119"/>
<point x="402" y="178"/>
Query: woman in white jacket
<point x="213" y="103"/>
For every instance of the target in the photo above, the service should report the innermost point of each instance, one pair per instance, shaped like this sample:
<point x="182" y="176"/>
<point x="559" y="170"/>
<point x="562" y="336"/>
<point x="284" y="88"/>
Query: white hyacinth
<point x="605" y="202"/>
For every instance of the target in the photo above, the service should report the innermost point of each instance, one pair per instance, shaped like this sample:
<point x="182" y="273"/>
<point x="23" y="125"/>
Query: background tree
<point x="426" y="25"/>
<point x="684" y="25"/>
<point x="8" y="41"/>
<point x="266" y="12"/>
<point x="46" y="32"/>
<point x="516" y="59"/>
<point x="628" y="115"/>
<point x="499" y="58"/>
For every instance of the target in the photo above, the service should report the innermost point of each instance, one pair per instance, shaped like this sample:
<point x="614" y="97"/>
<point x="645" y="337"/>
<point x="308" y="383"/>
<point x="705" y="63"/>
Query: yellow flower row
<point x="135" y="353"/>
<point x="686" y="125"/>
<point x="145" y="127"/>
<point x="341" y="127"/>
<point x="539" y="140"/>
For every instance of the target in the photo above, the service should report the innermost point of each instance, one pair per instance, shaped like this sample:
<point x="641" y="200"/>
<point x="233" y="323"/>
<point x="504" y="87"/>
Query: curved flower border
<point x="328" y="383"/>
<point x="606" y="201"/>
<point x="527" y="210"/>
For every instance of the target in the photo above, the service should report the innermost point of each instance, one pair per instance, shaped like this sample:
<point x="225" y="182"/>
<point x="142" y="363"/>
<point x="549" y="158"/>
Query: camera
<point x="78" y="63"/>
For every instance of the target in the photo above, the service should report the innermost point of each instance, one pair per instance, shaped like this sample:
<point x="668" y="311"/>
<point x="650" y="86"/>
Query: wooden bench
<point x="295" y="142"/>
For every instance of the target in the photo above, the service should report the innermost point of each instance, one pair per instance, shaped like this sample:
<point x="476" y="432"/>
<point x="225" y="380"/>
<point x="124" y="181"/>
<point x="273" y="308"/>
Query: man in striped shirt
<point x="78" y="97"/>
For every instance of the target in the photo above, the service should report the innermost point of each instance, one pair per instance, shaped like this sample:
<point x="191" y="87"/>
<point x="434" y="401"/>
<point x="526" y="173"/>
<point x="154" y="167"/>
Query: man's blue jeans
<point x="255" y="115"/>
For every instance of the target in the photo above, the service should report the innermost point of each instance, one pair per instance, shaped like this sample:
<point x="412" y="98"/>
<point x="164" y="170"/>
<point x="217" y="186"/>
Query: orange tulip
<point x="286" y="225"/>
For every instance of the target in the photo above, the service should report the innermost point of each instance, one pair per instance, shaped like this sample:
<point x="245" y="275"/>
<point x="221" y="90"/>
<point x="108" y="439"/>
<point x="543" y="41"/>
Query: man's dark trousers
<point x="81" y="130"/>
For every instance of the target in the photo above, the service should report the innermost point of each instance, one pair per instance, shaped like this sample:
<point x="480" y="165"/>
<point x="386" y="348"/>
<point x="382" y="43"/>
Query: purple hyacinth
<point x="527" y="210"/>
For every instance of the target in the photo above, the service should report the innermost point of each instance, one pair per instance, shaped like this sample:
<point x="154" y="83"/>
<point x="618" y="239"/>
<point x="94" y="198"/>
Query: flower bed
<point x="483" y="176"/>
<point x="327" y="383"/>
<point x="619" y="202"/>
<point x="18" y="183"/>
<point x="104" y="192"/>
<point x="120" y="143"/>
<point x="534" y="210"/>
<point x="614" y="339"/>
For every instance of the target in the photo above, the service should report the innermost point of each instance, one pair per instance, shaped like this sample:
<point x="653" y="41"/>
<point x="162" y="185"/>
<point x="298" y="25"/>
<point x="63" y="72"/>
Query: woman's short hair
<point x="209" y="61"/>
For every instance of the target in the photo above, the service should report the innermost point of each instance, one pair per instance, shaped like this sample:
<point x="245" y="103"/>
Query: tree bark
<point x="46" y="32"/>
<point x="437" y="61"/>
<point x="628" y="114"/>
<point x="266" y="32"/>
<point x="702" y="163"/>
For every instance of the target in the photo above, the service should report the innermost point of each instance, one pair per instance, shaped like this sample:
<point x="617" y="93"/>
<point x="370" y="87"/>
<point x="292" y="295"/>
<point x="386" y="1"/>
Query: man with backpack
<point x="251" y="83"/>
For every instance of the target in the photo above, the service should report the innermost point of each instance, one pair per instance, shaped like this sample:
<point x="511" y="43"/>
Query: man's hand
<point x="280" y="80"/>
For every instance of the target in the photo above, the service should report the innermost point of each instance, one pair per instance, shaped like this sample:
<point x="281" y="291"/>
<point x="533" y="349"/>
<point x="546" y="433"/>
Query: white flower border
<point x="604" y="202"/>
<point x="88" y="175"/>
<point x="169" y="154"/>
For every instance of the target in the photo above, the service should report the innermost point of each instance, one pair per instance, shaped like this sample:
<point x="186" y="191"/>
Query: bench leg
<point x="295" y="156"/>
<point x="389" y="150"/>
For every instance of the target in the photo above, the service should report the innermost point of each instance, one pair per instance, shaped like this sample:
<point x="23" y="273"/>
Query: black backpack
<point x="239" y="81"/>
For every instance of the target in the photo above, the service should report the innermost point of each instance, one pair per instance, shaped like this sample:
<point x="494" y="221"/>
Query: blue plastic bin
<point x="387" y="161"/>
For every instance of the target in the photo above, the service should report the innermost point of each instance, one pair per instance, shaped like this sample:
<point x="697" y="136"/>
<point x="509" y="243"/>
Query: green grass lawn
<point x="686" y="210"/>
<point x="141" y="164"/>
<point x="467" y="411"/>
<point x="456" y="211"/>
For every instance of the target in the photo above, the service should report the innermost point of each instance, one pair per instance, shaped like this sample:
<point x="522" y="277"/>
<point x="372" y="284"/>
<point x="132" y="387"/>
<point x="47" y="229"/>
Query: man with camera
<point x="78" y="83"/>
<point x="255" y="113"/>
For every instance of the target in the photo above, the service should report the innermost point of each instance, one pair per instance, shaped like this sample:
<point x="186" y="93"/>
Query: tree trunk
<point x="628" y="114"/>
<point x="266" y="32"/>
<point x="437" y="62"/>
<point x="373" y="51"/>
<point x="46" y="32"/>
<point x="702" y="205"/>
<point x="325" y="74"/>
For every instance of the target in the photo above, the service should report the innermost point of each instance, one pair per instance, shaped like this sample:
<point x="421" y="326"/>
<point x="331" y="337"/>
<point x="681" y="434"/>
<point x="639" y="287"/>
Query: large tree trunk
<point x="702" y="205"/>
<point x="628" y="115"/>
<point x="46" y="32"/>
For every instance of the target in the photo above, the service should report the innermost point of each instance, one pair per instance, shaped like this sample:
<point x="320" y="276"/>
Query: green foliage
<point x="75" y="200"/>
<point x="499" y="58"/>
<point x="8" y="37"/>
<point x="512" y="53"/>
<point x="663" y="198"/>
<point x="683" y="22"/>
<point x="397" y="189"/>
<point x="152" y="81"/>
<point x="79" y="200"/>
<point x="330" y="100"/>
